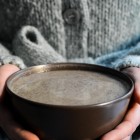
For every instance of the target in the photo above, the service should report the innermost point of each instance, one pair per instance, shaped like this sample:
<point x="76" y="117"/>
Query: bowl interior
<point x="70" y="84"/>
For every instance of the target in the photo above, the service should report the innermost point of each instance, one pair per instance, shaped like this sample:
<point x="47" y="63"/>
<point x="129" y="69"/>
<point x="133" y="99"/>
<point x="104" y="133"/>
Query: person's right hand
<point x="7" y="122"/>
<point x="132" y="118"/>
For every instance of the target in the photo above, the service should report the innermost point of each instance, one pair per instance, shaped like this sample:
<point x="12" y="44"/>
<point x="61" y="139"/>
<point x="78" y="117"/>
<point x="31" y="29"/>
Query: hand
<point x="132" y="119"/>
<point x="7" y="122"/>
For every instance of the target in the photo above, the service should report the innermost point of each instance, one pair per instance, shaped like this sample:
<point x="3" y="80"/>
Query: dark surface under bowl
<point x="58" y="122"/>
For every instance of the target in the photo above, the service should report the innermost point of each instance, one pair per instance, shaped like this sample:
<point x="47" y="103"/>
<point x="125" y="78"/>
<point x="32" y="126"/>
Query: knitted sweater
<point x="91" y="31"/>
<point x="104" y="32"/>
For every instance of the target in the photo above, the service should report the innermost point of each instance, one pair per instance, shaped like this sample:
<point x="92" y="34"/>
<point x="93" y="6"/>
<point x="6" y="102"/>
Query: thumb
<point x="134" y="73"/>
<point x="5" y="72"/>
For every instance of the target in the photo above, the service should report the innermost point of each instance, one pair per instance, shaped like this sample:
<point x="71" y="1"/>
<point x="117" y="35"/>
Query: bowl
<point x="76" y="117"/>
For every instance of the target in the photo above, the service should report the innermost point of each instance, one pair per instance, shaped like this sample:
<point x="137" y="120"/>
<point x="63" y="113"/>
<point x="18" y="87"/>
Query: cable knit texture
<point x="104" y="32"/>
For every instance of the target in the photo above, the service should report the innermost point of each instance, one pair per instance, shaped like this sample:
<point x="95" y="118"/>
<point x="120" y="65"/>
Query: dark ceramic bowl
<point x="81" y="122"/>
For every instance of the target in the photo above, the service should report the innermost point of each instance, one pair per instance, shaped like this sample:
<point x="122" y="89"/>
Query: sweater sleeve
<point x="128" y="61"/>
<point x="7" y="58"/>
<point x="127" y="57"/>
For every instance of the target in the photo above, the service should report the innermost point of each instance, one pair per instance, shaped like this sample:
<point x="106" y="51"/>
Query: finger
<point x="134" y="73"/>
<point x="127" y="138"/>
<point x="16" y="132"/>
<point x="137" y="92"/>
<point x="12" y="128"/>
<point x="5" y="72"/>
<point x="127" y="127"/>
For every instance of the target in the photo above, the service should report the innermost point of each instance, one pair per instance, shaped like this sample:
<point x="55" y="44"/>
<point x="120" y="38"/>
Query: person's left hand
<point x="132" y="119"/>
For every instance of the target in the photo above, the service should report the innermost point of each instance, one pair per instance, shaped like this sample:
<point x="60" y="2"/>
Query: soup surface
<point x="70" y="87"/>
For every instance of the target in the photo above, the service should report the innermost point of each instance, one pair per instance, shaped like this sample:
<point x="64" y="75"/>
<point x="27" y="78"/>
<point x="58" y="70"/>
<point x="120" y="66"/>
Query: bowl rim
<point x="56" y="66"/>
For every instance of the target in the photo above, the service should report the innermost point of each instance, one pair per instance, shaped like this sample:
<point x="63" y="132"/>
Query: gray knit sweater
<point x="104" y="32"/>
